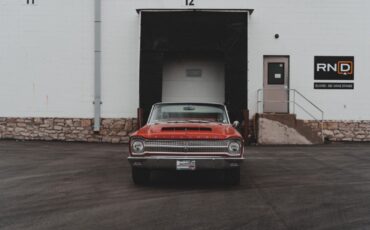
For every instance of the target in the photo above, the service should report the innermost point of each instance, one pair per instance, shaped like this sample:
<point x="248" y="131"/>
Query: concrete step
<point x="275" y="128"/>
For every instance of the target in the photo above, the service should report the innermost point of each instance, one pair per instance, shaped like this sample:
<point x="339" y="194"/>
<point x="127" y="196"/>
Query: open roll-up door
<point x="192" y="33"/>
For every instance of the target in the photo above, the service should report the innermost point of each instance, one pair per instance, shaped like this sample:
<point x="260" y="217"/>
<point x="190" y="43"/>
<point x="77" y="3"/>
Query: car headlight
<point x="137" y="146"/>
<point x="235" y="147"/>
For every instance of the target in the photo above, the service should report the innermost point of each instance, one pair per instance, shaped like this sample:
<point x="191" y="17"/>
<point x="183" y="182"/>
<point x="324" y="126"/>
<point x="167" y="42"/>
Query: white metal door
<point x="193" y="80"/>
<point x="276" y="85"/>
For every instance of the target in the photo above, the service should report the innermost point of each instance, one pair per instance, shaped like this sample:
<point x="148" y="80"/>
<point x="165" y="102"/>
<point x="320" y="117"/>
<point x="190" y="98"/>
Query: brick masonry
<point x="67" y="129"/>
<point x="356" y="131"/>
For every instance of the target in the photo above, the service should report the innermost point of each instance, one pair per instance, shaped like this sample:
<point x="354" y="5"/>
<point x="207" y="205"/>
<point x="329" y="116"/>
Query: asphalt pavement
<point x="54" y="185"/>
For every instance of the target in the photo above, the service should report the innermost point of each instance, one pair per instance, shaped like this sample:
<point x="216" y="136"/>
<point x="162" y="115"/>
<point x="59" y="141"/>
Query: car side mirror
<point x="236" y="124"/>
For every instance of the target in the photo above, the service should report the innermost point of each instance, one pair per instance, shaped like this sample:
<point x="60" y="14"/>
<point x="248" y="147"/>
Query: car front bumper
<point x="169" y="162"/>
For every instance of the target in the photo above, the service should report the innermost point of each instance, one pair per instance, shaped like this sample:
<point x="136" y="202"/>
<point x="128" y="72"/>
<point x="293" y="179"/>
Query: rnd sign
<point x="334" y="68"/>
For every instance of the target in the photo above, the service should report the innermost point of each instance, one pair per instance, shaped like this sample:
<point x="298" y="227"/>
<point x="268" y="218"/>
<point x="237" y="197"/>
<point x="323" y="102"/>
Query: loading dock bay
<point x="185" y="36"/>
<point x="53" y="185"/>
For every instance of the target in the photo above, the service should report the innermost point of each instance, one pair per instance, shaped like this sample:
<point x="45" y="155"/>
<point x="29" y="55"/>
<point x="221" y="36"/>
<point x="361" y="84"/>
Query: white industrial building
<point x="84" y="70"/>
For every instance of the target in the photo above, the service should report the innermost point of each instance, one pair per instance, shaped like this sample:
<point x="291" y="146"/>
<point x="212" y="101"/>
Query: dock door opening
<point x="185" y="45"/>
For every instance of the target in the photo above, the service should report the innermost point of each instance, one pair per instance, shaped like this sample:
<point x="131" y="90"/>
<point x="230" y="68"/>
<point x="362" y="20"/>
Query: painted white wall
<point x="209" y="86"/>
<point x="46" y="53"/>
<point x="46" y="58"/>
<point x="307" y="29"/>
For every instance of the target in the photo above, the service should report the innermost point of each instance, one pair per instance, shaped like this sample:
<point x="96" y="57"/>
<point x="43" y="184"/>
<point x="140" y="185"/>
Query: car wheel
<point x="140" y="176"/>
<point x="232" y="177"/>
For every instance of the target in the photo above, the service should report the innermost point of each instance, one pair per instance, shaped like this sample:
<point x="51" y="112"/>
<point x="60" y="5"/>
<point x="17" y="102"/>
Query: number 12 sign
<point x="189" y="3"/>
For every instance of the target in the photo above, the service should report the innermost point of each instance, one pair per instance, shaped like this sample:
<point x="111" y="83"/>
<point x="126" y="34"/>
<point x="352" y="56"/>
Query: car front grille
<point x="186" y="146"/>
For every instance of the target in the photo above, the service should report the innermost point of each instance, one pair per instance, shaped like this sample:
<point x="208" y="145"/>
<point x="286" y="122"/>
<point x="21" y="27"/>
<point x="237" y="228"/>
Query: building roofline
<point x="250" y="11"/>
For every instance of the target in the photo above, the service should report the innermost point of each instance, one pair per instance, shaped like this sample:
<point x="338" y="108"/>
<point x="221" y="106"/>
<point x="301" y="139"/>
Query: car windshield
<point x="181" y="113"/>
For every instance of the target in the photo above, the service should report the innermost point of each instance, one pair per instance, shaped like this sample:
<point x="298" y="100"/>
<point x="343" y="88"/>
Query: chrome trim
<point x="185" y="157"/>
<point x="178" y="146"/>
<point x="193" y="142"/>
<point x="199" y="103"/>
<point x="212" y="154"/>
<point x="188" y="146"/>
<point x="169" y="162"/>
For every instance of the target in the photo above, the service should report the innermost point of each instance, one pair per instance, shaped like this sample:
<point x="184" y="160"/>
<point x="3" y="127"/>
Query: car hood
<point x="187" y="131"/>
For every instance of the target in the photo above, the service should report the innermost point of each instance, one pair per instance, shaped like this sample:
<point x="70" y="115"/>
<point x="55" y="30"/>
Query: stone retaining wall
<point x="67" y="129"/>
<point x="117" y="130"/>
<point x="345" y="130"/>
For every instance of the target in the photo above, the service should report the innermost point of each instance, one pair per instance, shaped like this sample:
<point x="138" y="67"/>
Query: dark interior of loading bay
<point x="166" y="34"/>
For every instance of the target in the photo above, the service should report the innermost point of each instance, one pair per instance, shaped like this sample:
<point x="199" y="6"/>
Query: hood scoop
<point x="173" y="129"/>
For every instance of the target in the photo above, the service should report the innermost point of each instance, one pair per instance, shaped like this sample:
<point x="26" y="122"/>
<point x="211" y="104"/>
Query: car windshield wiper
<point x="198" y="121"/>
<point x="176" y="121"/>
<point x="184" y="121"/>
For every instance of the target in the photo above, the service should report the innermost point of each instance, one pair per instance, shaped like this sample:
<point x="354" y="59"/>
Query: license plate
<point x="185" y="165"/>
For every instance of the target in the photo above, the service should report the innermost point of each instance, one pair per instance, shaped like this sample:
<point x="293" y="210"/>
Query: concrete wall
<point x="47" y="53"/>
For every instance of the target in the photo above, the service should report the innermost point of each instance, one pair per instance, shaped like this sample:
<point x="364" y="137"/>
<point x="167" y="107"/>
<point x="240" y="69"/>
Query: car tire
<point x="140" y="176"/>
<point x="232" y="177"/>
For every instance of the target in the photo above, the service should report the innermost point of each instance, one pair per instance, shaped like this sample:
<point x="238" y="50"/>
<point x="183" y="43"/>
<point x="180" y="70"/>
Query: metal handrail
<point x="306" y="99"/>
<point x="294" y="102"/>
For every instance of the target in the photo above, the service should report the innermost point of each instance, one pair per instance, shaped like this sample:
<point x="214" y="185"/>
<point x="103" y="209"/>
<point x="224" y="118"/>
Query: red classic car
<point x="187" y="136"/>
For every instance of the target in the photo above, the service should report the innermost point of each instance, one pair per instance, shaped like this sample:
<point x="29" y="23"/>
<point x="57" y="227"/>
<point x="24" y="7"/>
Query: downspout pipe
<point x="97" y="66"/>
